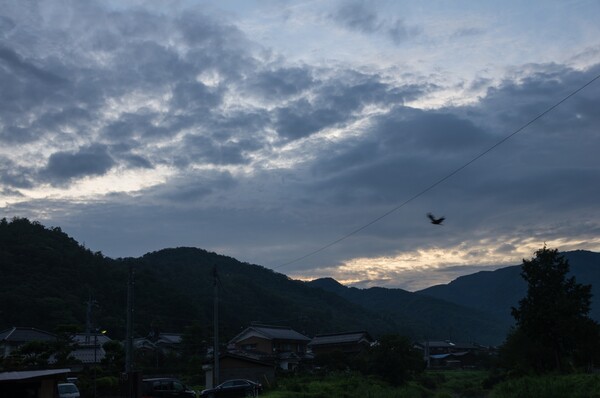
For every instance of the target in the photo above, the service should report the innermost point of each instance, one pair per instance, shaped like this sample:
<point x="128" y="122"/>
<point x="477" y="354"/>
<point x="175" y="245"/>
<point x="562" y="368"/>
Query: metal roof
<point x="31" y="374"/>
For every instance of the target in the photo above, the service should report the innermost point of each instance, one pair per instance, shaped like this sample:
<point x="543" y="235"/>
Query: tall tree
<point x="554" y="313"/>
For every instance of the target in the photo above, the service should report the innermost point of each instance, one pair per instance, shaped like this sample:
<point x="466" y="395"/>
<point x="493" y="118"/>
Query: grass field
<point x="443" y="384"/>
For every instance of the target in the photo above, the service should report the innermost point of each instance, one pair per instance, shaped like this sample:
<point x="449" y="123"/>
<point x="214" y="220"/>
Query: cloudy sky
<point x="267" y="130"/>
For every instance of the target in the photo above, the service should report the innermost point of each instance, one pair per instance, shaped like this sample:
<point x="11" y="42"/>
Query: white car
<point x="68" y="390"/>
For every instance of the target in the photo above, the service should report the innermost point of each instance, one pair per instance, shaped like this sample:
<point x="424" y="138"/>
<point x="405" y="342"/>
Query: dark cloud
<point x="188" y="189"/>
<point x="359" y="16"/>
<point x="301" y="119"/>
<point x="20" y="67"/>
<point x="356" y="15"/>
<point x="14" y="175"/>
<point x="65" y="166"/>
<point x="6" y="25"/>
<point x="17" y="135"/>
<point x="281" y="82"/>
<point x="337" y="102"/>
<point x="203" y="149"/>
<point x="136" y="161"/>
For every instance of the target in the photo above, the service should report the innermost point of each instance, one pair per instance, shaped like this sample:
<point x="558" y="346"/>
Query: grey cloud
<point x="65" y="166"/>
<point x="302" y="119"/>
<point x="430" y="132"/>
<point x="13" y="175"/>
<point x="399" y="32"/>
<point x="17" y="135"/>
<point x="19" y="66"/>
<point x="357" y="15"/>
<point x="135" y="126"/>
<point x="203" y="149"/>
<point x="281" y="82"/>
<point x="336" y="102"/>
<point x="190" y="188"/>
<point x="137" y="161"/>
<point x="505" y="248"/>
<point x="407" y="146"/>
<point x="6" y="25"/>
<point x="194" y="95"/>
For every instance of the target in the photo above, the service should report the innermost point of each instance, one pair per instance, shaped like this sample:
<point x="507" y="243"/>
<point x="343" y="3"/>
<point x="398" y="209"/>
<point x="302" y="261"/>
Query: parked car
<point x="161" y="387"/>
<point x="233" y="388"/>
<point x="67" y="390"/>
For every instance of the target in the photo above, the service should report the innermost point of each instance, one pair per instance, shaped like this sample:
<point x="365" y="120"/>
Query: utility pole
<point x="129" y="341"/>
<point x="88" y="319"/>
<point x="216" y="327"/>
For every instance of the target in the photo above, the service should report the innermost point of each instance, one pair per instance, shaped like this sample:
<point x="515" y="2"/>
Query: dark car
<point x="233" y="388"/>
<point x="166" y="387"/>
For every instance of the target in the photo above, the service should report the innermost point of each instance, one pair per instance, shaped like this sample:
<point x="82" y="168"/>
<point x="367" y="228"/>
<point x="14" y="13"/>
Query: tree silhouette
<point x="554" y="313"/>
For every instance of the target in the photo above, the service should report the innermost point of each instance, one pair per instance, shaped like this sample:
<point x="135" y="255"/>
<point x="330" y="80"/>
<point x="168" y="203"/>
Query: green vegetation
<point x="550" y="386"/>
<point x="439" y="384"/>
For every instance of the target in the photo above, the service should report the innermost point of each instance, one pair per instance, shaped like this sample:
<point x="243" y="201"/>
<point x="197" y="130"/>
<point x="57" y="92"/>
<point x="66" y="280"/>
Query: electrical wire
<point x="443" y="179"/>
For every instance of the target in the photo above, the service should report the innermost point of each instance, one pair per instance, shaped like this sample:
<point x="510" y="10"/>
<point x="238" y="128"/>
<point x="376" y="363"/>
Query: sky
<point x="309" y="137"/>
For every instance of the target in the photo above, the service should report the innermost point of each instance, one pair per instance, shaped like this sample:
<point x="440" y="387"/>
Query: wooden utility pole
<point x="129" y="341"/>
<point x="216" y="327"/>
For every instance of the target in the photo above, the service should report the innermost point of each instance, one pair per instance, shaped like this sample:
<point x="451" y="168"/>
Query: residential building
<point x="350" y="343"/>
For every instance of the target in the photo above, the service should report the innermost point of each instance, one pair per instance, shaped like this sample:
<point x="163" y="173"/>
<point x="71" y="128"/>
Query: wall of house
<point x="255" y="344"/>
<point x="298" y="347"/>
<point x="232" y="368"/>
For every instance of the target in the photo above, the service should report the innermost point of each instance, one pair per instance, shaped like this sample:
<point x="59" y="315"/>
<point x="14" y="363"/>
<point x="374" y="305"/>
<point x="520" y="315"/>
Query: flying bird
<point x="435" y="221"/>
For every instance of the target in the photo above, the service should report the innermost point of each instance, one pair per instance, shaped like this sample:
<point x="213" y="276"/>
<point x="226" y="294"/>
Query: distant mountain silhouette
<point x="495" y="292"/>
<point x="420" y="316"/>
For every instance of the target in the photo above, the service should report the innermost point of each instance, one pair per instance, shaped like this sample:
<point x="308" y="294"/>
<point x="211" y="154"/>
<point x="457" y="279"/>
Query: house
<point x="446" y="354"/>
<point x="283" y="345"/>
<point x="232" y="366"/>
<point x="88" y="347"/>
<point x="165" y="343"/>
<point x="15" y="337"/>
<point x="351" y="343"/>
<point x="32" y="383"/>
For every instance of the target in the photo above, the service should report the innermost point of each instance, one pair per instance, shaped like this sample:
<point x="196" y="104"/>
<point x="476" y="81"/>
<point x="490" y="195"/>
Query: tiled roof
<point x="270" y="332"/>
<point x="86" y="354"/>
<point x="81" y="338"/>
<point x="340" y="338"/>
<point x="169" y="338"/>
<point x="280" y="333"/>
<point x="21" y="335"/>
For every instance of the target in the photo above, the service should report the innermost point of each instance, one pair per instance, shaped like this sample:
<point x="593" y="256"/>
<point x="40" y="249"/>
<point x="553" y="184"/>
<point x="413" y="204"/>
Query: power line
<point x="441" y="180"/>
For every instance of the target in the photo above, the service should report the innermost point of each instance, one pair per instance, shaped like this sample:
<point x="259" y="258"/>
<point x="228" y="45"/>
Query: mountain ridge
<point x="174" y="289"/>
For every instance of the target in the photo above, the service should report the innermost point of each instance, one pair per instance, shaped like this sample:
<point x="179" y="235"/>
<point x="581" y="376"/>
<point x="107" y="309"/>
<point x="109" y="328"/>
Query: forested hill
<point x="421" y="316"/>
<point x="47" y="278"/>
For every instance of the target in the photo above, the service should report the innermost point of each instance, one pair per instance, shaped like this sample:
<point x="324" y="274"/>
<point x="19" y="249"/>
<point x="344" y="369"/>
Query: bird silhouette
<point x="435" y="221"/>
